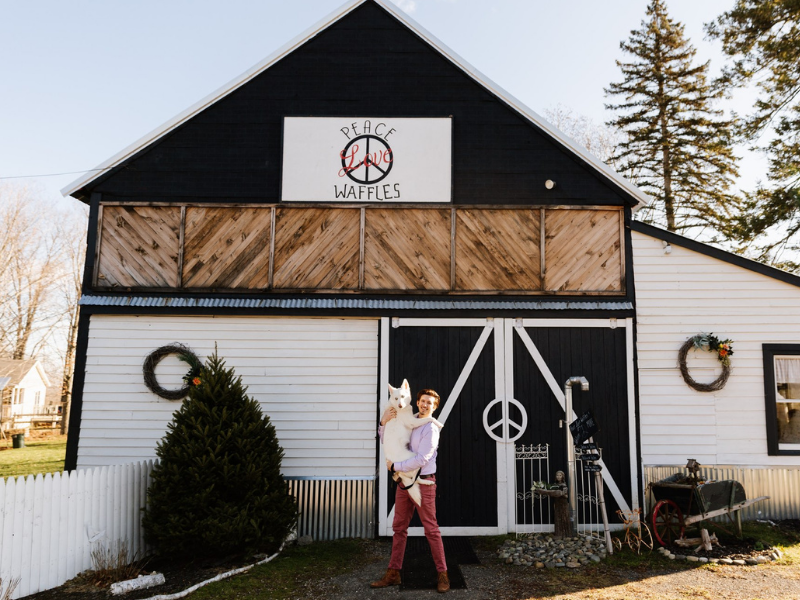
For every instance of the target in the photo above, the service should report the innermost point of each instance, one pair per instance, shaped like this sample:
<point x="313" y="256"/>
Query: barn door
<point x="543" y="354"/>
<point x="463" y="360"/>
<point x="501" y="383"/>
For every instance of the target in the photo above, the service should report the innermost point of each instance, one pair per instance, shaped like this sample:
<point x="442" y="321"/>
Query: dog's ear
<point x="405" y="384"/>
<point x="391" y="389"/>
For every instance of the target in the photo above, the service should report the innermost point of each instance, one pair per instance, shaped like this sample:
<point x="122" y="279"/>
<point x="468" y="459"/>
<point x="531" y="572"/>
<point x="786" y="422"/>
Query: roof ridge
<point x="714" y="252"/>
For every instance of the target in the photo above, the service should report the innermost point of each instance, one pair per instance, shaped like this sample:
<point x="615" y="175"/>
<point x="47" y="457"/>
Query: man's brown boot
<point x="392" y="577"/>
<point x="444" y="583"/>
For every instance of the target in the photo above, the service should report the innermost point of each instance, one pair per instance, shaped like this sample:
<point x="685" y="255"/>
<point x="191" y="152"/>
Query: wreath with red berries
<point x="710" y="343"/>
<point x="191" y="379"/>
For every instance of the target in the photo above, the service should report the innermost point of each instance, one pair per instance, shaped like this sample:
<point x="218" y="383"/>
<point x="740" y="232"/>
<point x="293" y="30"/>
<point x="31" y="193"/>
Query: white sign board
<point x="367" y="159"/>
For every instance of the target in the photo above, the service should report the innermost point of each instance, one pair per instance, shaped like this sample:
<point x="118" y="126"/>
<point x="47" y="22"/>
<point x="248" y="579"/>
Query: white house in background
<point x="23" y="395"/>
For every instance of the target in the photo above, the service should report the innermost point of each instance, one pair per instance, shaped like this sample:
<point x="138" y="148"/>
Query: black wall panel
<point x="366" y="64"/>
<point x="433" y="357"/>
<point x="597" y="354"/>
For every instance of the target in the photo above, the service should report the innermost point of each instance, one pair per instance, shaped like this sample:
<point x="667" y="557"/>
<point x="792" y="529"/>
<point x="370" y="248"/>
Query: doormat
<point x="419" y="572"/>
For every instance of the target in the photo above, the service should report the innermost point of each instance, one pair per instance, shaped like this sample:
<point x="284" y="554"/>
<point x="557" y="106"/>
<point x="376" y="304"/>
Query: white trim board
<point x="550" y="130"/>
<point x="383" y="386"/>
<point x="611" y="323"/>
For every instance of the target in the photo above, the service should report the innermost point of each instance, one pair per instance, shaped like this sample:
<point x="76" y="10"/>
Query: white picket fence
<point x="50" y="524"/>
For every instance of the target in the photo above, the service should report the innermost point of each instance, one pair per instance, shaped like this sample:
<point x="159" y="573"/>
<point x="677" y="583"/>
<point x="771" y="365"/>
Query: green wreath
<point x="192" y="377"/>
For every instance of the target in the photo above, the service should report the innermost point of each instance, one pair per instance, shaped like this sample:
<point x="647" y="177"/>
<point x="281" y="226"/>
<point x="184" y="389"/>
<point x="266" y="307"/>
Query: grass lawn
<point x="285" y="575"/>
<point x="38" y="456"/>
<point x="305" y="571"/>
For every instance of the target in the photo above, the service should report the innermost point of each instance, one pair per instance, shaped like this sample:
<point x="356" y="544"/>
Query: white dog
<point x="397" y="436"/>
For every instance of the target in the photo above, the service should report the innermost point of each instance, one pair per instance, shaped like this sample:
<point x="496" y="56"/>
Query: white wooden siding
<point x="315" y="378"/>
<point x="679" y="295"/>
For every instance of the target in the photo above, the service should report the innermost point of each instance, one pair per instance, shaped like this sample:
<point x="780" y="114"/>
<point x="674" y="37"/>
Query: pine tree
<point x="675" y="141"/>
<point x="762" y="37"/>
<point x="217" y="488"/>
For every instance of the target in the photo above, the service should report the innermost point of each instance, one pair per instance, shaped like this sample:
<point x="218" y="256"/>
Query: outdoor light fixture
<point x="549" y="184"/>
<point x="667" y="248"/>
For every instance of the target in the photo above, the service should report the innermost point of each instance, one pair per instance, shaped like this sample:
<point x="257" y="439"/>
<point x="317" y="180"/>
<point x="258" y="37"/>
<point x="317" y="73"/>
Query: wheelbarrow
<point x="683" y="500"/>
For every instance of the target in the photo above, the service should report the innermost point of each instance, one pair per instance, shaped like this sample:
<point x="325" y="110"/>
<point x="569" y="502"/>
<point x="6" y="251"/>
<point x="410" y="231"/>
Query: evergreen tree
<point x="763" y="39"/>
<point x="217" y="488"/>
<point x="675" y="141"/>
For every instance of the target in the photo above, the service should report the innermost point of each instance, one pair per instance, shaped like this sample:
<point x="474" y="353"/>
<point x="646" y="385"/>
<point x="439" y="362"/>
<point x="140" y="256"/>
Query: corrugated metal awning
<point x="348" y="303"/>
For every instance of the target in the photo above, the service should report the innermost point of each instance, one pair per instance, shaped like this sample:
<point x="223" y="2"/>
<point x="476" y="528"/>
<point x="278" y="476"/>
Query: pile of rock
<point x="545" y="551"/>
<point x="760" y="559"/>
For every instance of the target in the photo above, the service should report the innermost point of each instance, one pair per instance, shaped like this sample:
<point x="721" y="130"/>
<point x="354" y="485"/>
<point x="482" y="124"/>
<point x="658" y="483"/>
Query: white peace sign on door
<point x="505" y="421"/>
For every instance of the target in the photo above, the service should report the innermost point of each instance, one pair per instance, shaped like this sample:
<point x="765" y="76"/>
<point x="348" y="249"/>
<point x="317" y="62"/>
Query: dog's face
<point x="400" y="397"/>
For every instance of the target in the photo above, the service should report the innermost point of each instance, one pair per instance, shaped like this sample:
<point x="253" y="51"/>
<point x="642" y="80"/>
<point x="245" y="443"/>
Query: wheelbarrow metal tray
<point x="705" y="497"/>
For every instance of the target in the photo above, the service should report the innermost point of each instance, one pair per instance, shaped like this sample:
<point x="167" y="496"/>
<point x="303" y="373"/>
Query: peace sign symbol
<point x="505" y="421"/>
<point x="358" y="158"/>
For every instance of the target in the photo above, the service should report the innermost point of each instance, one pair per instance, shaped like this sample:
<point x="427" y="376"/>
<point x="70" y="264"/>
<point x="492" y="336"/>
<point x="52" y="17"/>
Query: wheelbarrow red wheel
<point x="667" y="522"/>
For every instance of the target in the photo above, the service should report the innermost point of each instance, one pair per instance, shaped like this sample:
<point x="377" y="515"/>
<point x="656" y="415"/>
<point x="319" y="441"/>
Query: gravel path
<point x="495" y="580"/>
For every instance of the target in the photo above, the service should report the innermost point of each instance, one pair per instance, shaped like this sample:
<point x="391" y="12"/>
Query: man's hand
<point x="389" y="464"/>
<point x="389" y="414"/>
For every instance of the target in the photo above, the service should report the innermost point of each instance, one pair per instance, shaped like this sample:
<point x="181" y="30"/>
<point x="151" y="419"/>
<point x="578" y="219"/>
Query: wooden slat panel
<point x="317" y="248"/>
<point x="497" y="250"/>
<point x="227" y="248"/>
<point x="140" y="246"/>
<point x="582" y="250"/>
<point x="407" y="249"/>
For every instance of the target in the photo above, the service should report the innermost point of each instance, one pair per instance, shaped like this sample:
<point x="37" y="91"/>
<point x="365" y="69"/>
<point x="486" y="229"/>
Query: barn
<point x="336" y="221"/>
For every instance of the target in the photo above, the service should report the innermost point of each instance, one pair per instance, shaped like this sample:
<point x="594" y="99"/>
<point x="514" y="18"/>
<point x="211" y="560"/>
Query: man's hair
<point x="432" y="394"/>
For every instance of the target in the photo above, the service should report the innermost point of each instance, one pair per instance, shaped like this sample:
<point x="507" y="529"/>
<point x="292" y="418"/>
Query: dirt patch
<point x="178" y="576"/>
<point x="789" y="526"/>
<point x="733" y="549"/>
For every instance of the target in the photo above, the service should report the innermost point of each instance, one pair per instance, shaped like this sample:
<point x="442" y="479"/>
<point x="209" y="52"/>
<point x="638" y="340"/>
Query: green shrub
<point x="217" y="488"/>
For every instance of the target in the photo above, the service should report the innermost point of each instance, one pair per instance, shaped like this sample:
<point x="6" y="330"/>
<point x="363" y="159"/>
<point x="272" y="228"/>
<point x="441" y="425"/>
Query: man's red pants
<point x="403" y="511"/>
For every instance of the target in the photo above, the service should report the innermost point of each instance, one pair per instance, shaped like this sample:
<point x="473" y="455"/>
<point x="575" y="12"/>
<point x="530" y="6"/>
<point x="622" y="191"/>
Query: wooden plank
<point x="96" y="264"/>
<point x="7" y="538"/>
<point x="358" y="205"/>
<point x="45" y="566"/>
<point x="140" y="247"/>
<point x="542" y="238"/>
<point x="271" y="245"/>
<point x="407" y="249"/>
<point x="362" y="220"/>
<point x="622" y="250"/>
<point x="453" y="248"/>
<point x="583" y="250"/>
<point x="36" y="564"/>
<point x="227" y="248"/>
<point x="317" y="248"/>
<point x="498" y="250"/>
<point x="181" y="246"/>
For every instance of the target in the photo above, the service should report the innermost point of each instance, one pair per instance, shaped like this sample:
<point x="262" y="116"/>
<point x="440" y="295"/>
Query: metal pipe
<point x="572" y="481"/>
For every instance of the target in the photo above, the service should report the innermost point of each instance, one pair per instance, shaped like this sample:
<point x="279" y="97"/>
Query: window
<point x="37" y="398"/>
<point x="782" y="387"/>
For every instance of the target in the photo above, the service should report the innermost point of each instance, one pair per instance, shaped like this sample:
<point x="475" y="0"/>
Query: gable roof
<point x="640" y="197"/>
<point x="16" y="370"/>
<point x="723" y="255"/>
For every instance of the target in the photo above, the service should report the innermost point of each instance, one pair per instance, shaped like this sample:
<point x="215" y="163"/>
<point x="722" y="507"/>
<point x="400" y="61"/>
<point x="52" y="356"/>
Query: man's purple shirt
<point x="424" y="443"/>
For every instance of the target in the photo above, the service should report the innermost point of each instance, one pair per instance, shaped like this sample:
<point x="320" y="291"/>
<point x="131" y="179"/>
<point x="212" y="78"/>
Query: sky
<point x="81" y="80"/>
